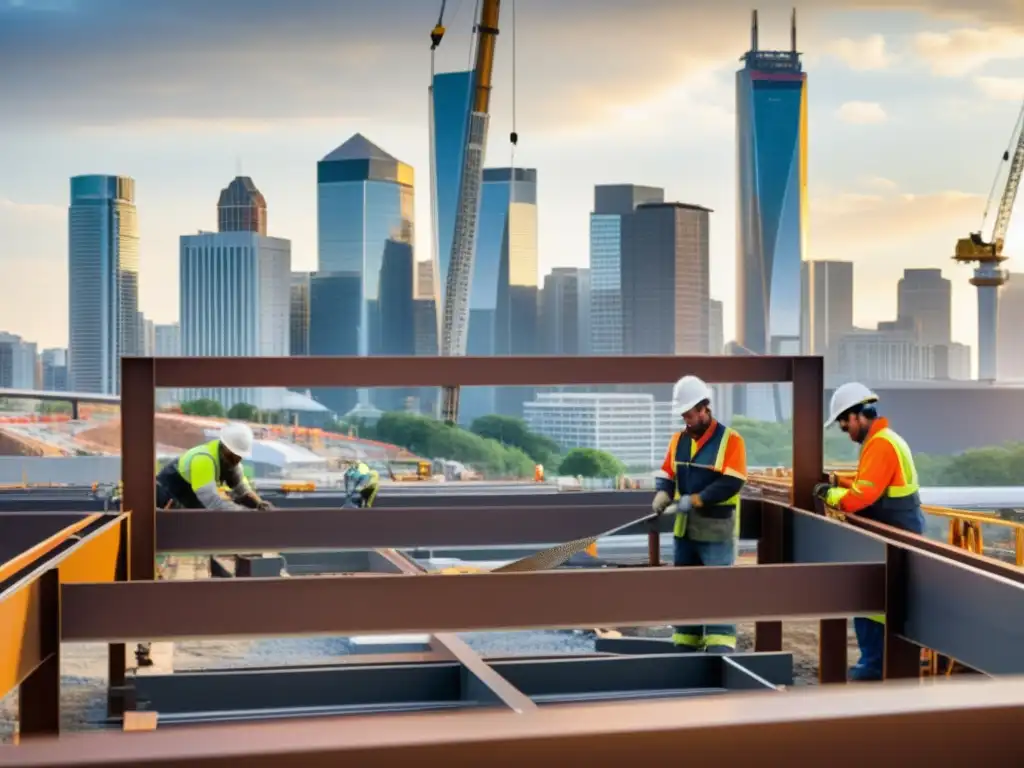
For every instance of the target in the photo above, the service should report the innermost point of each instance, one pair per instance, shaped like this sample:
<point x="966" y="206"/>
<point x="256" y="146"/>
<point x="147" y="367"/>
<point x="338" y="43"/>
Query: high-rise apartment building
<point x="666" y="279"/>
<point x="17" y="362"/>
<point x="507" y="252"/>
<point x="563" y="311"/>
<point x="771" y="133"/>
<point x="103" y="281"/>
<point x="298" y="323"/>
<point x="235" y="301"/>
<point x="147" y="336"/>
<point x="1010" y="318"/>
<point x="716" y="327"/>
<point x="826" y="297"/>
<point x="365" y="231"/>
<point x="925" y="297"/>
<point x="167" y="340"/>
<point x="242" y="208"/>
<point x="55" y="369"/>
<point x="611" y="203"/>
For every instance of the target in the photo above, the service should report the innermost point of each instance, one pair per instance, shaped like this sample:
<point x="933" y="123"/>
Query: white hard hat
<point x="237" y="438"/>
<point x="688" y="392"/>
<point x="846" y="397"/>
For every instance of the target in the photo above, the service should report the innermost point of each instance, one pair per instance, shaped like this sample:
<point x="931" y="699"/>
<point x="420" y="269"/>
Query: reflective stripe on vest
<point x="210" y="449"/>
<point x="907" y="467"/>
<point x="702" y="526"/>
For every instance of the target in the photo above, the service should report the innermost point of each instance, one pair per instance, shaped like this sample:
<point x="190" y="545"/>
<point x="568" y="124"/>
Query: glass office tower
<point x="771" y="130"/>
<point x="103" y="281"/>
<point x="365" y="228"/>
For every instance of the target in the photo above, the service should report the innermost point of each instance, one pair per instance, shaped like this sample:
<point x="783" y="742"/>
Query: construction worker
<point x="705" y="469"/>
<point x="362" y="481"/>
<point x="191" y="481"/>
<point x="885" y="489"/>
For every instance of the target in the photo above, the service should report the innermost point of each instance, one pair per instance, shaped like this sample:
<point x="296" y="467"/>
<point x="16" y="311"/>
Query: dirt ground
<point x="84" y="665"/>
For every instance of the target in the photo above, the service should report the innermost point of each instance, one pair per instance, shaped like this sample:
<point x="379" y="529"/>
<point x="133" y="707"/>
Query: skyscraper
<point x="1011" y="317"/>
<point x="611" y="203"/>
<point x="716" y="327"/>
<point x="17" y="362"/>
<point x="560" y="316"/>
<point x="235" y="301"/>
<point x="55" y="369"/>
<point x="103" y="281"/>
<point x="826" y="296"/>
<point x="666" y="279"/>
<point x="771" y="136"/>
<point x="925" y="297"/>
<point x="242" y="208"/>
<point x="298" y="345"/>
<point x="365" y="230"/>
<point x="506" y="258"/>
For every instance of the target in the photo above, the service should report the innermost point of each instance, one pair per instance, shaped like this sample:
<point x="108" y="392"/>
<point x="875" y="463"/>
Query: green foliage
<point x="590" y="462"/>
<point x="514" y="432"/>
<point x="434" y="439"/>
<point x="770" y="444"/>
<point x="203" y="407"/>
<point x="53" y="406"/>
<point x="244" y="412"/>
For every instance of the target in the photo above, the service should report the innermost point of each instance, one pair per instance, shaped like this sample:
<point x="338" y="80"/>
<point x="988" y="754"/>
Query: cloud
<point x="12" y="208"/>
<point x="879" y="183"/>
<point x="862" y="113"/>
<point x="962" y="51"/>
<point x="1001" y="88"/>
<point x="868" y="53"/>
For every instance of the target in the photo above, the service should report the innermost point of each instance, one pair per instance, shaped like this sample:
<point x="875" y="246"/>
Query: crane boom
<point x="454" y="329"/>
<point x="1009" y="195"/>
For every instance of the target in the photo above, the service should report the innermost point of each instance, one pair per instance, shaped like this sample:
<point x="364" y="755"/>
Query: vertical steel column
<point x="902" y="658"/>
<point x="116" y="661"/>
<point x="654" y="543"/>
<point x="39" y="693"/>
<point x="832" y="650"/>
<point x="138" y="462"/>
<point x="770" y="551"/>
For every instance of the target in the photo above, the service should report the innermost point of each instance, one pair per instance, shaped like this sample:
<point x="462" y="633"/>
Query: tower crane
<point x="455" y="318"/>
<point x="988" y="255"/>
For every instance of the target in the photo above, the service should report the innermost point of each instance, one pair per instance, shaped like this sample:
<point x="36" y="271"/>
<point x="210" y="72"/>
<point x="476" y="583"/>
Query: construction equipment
<point x="988" y="255"/>
<point x="455" y="320"/>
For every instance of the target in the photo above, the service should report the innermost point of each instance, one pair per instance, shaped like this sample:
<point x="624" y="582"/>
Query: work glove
<point x="833" y="496"/>
<point x="821" y="490"/>
<point x="661" y="502"/>
<point x="264" y="506"/>
<point x="684" y="504"/>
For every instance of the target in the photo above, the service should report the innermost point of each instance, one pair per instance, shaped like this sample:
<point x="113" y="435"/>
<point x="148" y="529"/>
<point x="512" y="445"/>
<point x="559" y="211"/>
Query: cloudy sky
<point x="911" y="105"/>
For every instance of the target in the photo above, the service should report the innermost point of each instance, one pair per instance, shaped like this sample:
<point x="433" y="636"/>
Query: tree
<point x="590" y="462"/>
<point x="244" y="412"/>
<point x="508" y="430"/>
<point x="203" y="407"/>
<point x="54" y="406"/>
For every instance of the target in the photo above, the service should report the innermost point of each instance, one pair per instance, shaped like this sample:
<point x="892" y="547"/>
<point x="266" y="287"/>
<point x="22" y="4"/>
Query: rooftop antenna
<point x="792" y="32"/>
<point x="753" y="31"/>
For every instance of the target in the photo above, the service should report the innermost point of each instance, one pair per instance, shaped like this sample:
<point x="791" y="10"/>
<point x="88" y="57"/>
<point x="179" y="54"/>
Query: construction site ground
<point x="84" y="665"/>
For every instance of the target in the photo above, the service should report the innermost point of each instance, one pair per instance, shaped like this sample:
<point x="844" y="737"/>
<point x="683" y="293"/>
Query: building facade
<point x="298" y="315"/>
<point x="666" y="279"/>
<point x="1011" y="317"/>
<point x="103" y="281"/>
<point x="167" y="340"/>
<point x="234" y="302"/>
<point x="242" y="208"/>
<point x="17" y="362"/>
<point x="925" y="297"/>
<point x="563" y="311"/>
<point x="826" y="297"/>
<point x="365" y="229"/>
<point x="716" y="327"/>
<point x="771" y="132"/>
<point x="54" y="363"/>
<point x="611" y="203"/>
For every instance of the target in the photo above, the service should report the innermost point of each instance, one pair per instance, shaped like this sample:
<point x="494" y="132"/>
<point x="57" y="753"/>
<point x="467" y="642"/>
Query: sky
<point x="912" y="103"/>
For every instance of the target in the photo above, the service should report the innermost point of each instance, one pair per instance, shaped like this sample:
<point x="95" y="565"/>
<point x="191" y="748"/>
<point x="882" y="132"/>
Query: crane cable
<point x="1018" y="127"/>
<point x="513" y="137"/>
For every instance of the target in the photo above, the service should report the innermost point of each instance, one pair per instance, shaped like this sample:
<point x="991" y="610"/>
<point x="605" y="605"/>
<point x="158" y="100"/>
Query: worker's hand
<point x="833" y="496"/>
<point x="684" y="504"/>
<point x="264" y="506"/>
<point x="821" y="490"/>
<point x="661" y="502"/>
<point x="833" y="479"/>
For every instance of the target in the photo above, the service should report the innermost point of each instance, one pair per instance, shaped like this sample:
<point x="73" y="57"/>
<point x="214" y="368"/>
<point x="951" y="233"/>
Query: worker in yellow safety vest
<point x="884" y="489"/>
<point x="705" y="469"/>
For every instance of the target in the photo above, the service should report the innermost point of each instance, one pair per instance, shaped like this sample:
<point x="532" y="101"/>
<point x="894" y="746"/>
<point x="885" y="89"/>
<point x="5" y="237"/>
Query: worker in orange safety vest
<point x="884" y="489"/>
<point x="705" y="469"/>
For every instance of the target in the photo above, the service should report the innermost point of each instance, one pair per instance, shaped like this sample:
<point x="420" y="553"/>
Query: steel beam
<point x="24" y="537"/>
<point x="138" y="459"/>
<point x="177" y="372"/>
<point x="820" y="726"/>
<point x="384" y="604"/>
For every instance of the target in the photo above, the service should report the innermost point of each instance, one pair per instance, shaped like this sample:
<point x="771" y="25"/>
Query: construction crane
<point x="455" y="318"/>
<point x="973" y="249"/>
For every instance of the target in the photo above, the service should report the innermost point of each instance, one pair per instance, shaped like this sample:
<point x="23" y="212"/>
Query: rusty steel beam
<point x="405" y="527"/>
<point x="383" y="604"/>
<point x="177" y="372"/>
<point x="29" y="556"/>
<point x="822" y="726"/>
<point x="138" y="461"/>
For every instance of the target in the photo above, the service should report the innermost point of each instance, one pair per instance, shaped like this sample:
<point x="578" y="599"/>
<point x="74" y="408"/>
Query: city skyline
<point x="872" y="96"/>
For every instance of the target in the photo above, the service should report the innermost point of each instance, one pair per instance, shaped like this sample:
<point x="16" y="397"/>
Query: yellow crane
<point x="988" y="254"/>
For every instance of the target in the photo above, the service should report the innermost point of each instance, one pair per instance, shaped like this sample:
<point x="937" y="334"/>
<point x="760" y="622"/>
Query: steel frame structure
<point x="85" y="581"/>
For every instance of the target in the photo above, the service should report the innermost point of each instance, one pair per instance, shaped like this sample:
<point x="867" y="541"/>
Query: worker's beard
<point x="698" y="430"/>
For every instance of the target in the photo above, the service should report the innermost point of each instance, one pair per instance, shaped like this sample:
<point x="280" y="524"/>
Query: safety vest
<point x="719" y="522"/>
<point x="184" y="466"/>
